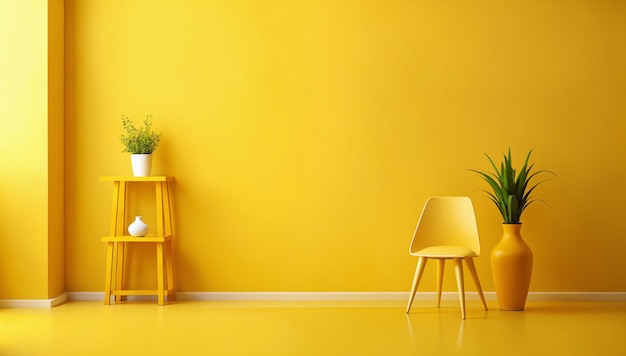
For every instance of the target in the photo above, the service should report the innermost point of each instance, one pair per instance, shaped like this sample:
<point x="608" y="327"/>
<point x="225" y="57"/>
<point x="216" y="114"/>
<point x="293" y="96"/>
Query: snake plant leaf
<point x="511" y="192"/>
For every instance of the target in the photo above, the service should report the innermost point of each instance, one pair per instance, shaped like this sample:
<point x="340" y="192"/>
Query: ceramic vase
<point x="138" y="228"/>
<point x="141" y="164"/>
<point x="511" y="265"/>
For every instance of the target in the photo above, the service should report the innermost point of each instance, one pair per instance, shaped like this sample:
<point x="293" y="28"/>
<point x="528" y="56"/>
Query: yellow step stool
<point x="116" y="242"/>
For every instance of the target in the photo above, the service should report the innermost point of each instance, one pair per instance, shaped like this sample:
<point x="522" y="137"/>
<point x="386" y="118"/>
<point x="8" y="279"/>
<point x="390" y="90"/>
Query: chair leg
<point x="460" y="283"/>
<point x="472" y="268"/>
<point x="441" y="264"/>
<point x="421" y="263"/>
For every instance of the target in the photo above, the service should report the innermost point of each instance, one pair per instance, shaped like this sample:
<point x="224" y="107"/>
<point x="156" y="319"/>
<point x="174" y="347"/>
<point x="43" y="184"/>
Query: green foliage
<point x="511" y="192"/>
<point x="142" y="140"/>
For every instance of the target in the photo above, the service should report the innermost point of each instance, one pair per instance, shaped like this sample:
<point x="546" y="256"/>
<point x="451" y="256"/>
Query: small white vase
<point x="138" y="228"/>
<point x="142" y="164"/>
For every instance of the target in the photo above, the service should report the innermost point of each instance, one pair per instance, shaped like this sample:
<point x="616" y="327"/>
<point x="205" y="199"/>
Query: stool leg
<point x="160" y="287"/>
<point x="169" y="263"/>
<point x="109" y="273"/>
<point x="119" y="269"/>
<point x="159" y="209"/>
<point x="117" y="229"/>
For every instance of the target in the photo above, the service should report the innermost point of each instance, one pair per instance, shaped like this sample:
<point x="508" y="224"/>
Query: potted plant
<point x="140" y="143"/>
<point x="511" y="258"/>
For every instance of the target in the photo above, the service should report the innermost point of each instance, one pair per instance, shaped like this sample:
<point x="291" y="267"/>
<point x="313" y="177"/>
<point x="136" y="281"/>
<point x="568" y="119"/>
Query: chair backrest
<point x="447" y="221"/>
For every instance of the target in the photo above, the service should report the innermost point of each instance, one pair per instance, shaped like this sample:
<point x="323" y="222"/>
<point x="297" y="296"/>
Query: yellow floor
<point x="313" y="328"/>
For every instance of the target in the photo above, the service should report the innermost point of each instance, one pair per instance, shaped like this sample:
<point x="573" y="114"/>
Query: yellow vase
<point x="511" y="265"/>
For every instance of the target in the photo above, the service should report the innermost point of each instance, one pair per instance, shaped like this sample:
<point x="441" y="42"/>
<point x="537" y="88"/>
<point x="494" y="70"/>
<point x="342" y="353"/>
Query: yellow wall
<point x="31" y="149"/>
<point x="305" y="136"/>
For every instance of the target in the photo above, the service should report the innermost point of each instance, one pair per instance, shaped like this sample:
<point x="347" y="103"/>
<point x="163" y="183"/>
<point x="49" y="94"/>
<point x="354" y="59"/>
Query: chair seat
<point x="445" y="251"/>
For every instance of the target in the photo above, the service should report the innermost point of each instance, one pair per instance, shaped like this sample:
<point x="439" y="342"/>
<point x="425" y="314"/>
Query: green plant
<point x="139" y="141"/>
<point x="511" y="192"/>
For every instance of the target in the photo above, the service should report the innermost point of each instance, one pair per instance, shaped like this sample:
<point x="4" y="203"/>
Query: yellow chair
<point x="447" y="230"/>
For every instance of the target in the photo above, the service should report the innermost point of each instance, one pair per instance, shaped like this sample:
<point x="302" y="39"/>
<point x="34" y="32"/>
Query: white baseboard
<point x="34" y="303"/>
<point x="84" y="296"/>
<point x="296" y="296"/>
<point x="358" y="296"/>
<point x="312" y="296"/>
<point x="576" y="296"/>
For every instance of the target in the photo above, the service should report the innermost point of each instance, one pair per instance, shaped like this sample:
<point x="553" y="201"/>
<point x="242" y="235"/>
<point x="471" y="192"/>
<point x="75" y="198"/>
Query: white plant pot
<point x="142" y="164"/>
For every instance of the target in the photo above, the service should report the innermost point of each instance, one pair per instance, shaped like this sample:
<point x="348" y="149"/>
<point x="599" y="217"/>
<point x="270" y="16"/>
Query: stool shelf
<point x="128" y="238"/>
